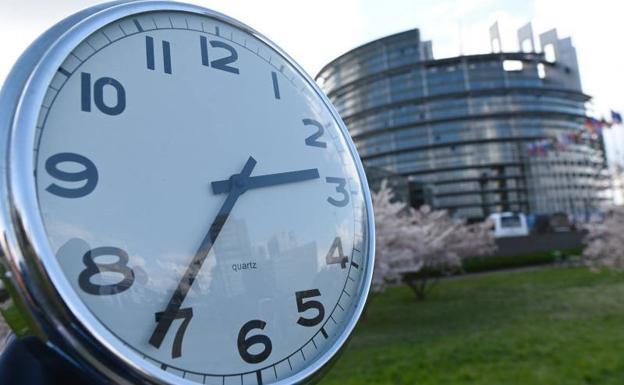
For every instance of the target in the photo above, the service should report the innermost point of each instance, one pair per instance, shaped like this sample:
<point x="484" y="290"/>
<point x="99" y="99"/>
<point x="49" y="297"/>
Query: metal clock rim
<point x="29" y="266"/>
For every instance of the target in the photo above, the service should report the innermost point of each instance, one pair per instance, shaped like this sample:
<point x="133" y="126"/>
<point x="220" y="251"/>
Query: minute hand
<point x="173" y="307"/>
<point x="224" y="186"/>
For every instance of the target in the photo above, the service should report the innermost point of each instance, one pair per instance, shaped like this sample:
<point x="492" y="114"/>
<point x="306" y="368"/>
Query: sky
<point x="315" y="32"/>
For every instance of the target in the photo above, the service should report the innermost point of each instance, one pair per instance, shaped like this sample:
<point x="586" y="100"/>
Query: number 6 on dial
<point x="245" y="343"/>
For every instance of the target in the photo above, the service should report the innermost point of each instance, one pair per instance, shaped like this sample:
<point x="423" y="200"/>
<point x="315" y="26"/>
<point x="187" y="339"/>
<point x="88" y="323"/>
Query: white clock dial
<point x="202" y="199"/>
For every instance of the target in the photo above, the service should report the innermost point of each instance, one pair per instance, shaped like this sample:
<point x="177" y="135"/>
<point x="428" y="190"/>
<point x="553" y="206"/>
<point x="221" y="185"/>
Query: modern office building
<point x="477" y="134"/>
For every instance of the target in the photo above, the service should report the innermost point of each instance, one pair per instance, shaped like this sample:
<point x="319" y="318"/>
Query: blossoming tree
<point x="418" y="246"/>
<point x="605" y="242"/>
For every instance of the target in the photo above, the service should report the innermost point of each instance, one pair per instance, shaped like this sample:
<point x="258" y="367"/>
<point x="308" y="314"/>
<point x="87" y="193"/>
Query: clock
<point x="180" y="202"/>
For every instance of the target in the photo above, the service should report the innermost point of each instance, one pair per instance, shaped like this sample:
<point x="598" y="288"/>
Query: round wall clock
<point x="180" y="202"/>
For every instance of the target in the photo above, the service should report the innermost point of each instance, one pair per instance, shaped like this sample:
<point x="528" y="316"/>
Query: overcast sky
<point x="315" y="32"/>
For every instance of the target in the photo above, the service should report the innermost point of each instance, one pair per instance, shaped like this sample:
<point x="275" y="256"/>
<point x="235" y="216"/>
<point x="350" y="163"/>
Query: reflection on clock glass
<point x="201" y="199"/>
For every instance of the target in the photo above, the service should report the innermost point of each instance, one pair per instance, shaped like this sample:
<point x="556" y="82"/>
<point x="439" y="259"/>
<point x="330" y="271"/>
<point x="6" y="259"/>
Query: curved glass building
<point x="473" y="134"/>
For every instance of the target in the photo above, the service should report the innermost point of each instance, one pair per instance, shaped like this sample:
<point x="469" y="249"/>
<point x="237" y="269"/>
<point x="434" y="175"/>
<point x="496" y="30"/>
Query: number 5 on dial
<point x="302" y="307"/>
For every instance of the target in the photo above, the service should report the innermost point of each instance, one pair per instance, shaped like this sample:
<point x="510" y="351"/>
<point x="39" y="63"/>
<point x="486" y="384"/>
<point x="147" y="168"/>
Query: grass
<point x="501" y="262"/>
<point x="505" y="262"/>
<point x="18" y="324"/>
<point x="551" y="326"/>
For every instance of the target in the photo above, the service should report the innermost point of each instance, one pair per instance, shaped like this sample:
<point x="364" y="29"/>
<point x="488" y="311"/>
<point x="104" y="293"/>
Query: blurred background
<point x="492" y="137"/>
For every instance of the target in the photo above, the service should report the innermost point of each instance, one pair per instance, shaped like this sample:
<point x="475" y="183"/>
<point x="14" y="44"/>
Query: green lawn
<point x="551" y="326"/>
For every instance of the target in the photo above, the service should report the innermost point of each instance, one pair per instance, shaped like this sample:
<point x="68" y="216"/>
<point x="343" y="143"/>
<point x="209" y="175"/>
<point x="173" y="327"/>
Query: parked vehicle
<point x="560" y="222"/>
<point x="509" y="224"/>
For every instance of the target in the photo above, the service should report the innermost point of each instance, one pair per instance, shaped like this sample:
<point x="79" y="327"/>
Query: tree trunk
<point x="418" y="286"/>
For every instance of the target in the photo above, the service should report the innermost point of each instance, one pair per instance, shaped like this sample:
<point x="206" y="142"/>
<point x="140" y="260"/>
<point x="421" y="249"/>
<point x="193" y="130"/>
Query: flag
<point x="589" y="124"/>
<point x="577" y="137"/>
<point x="599" y="125"/>
<point x="594" y="126"/>
<point x="564" y="140"/>
<point x="616" y="117"/>
<point x="544" y="146"/>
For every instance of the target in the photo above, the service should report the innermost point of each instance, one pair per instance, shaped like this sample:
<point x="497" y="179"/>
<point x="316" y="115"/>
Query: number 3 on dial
<point x="342" y="183"/>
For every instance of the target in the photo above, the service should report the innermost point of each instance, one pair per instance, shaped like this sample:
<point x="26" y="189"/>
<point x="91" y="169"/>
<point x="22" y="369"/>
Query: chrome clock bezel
<point x="41" y="295"/>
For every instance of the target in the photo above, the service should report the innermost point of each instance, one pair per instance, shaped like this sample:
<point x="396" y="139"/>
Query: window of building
<point x="496" y="46"/>
<point x="549" y="53"/>
<point x="527" y="45"/>
<point x="512" y="65"/>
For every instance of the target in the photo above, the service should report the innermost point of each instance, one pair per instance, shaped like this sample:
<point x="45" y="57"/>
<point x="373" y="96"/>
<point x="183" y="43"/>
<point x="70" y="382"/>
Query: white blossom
<point x="410" y="241"/>
<point x="605" y="242"/>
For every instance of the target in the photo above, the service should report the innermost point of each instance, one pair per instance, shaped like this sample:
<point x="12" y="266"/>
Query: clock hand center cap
<point x="239" y="182"/>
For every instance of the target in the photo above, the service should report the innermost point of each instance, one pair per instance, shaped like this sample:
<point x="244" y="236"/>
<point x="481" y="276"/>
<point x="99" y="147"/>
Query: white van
<point x="509" y="224"/>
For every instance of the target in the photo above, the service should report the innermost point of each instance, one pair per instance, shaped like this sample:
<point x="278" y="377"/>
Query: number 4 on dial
<point x="330" y="259"/>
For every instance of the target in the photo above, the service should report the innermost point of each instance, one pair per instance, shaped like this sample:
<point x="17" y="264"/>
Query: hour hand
<point x="224" y="186"/>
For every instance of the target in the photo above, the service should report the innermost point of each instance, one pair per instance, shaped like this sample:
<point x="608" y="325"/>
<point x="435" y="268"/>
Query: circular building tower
<point x="472" y="134"/>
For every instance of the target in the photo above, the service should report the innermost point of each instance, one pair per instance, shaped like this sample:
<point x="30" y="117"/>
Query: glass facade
<point x="458" y="129"/>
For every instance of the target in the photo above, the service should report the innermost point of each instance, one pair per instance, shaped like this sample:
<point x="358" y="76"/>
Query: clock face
<point x="201" y="199"/>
